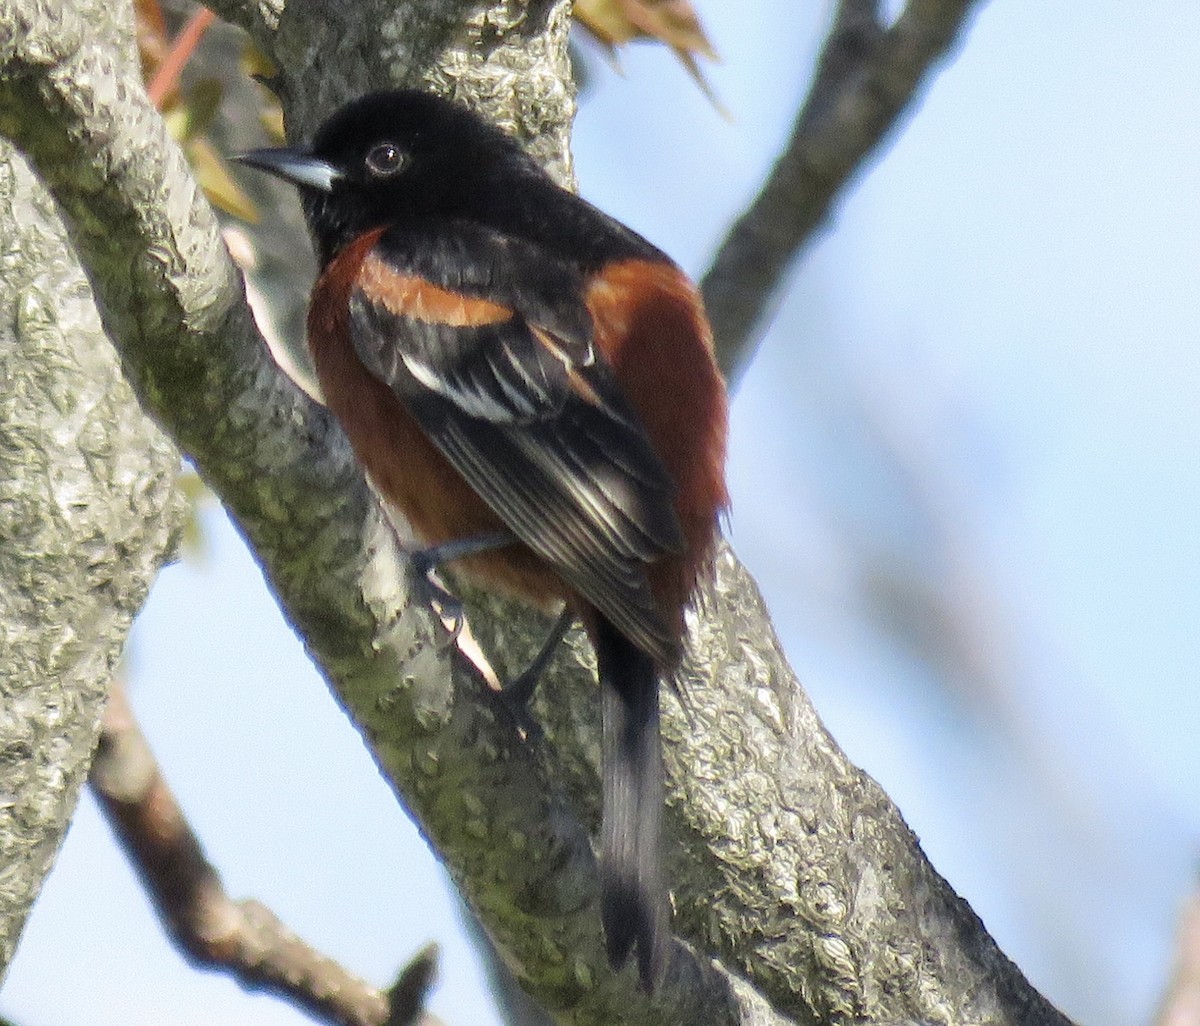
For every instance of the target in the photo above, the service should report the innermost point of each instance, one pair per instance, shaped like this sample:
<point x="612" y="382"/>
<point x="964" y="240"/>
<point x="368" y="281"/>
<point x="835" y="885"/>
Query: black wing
<point x="507" y="384"/>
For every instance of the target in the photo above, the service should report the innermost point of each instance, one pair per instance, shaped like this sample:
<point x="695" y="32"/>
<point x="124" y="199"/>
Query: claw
<point x="517" y="694"/>
<point x="438" y="597"/>
<point x="523" y="719"/>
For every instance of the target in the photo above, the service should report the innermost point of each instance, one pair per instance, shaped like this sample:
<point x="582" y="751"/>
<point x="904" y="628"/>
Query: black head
<point x="394" y="156"/>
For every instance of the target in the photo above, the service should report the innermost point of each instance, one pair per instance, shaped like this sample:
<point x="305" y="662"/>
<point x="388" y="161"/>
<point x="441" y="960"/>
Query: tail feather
<point x="634" y="902"/>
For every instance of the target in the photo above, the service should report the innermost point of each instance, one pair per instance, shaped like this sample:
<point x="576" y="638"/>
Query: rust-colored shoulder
<point x="409" y="295"/>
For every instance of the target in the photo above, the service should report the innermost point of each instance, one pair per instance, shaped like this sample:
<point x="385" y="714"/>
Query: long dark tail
<point x="634" y="901"/>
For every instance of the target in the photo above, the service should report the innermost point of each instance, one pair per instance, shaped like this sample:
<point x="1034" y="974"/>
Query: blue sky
<point x="1007" y="299"/>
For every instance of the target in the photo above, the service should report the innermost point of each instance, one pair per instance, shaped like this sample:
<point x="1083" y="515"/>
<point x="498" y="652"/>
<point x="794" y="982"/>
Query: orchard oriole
<point x="505" y="358"/>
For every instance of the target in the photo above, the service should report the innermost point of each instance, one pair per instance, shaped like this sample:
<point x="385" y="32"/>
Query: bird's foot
<point x="437" y="596"/>
<point x="518" y="693"/>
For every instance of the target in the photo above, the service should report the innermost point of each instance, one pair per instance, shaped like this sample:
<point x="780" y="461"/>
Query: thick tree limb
<point x="867" y="76"/>
<point x="516" y="1007"/>
<point x="789" y="862"/>
<point x="243" y="938"/>
<point x="87" y="515"/>
<point x="258" y="17"/>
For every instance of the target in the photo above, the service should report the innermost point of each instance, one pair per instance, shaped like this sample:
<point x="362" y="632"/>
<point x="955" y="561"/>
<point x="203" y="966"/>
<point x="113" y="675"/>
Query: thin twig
<point x="243" y="938"/>
<point x="867" y="75"/>
<point x="166" y="78"/>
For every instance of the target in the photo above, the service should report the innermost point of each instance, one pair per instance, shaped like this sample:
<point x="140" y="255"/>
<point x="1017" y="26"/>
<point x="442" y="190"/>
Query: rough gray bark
<point x="790" y="863"/>
<point x="86" y="519"/>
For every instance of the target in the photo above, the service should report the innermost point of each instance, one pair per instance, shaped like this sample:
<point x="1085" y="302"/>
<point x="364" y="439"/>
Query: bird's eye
<point x="385" y="159"/>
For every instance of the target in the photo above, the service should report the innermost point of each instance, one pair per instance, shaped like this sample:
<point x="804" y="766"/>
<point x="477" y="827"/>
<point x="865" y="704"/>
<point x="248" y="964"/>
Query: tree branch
<point x="88" y="513"/>
<point x="260" y="18"/>
<point x="866" y="77"/>
<point x="789" y="862"/>
<point x="243" y="938"/>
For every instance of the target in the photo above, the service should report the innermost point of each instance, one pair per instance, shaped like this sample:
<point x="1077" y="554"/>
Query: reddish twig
<point x="167" y="76"/>
<point x="243" y="938"/>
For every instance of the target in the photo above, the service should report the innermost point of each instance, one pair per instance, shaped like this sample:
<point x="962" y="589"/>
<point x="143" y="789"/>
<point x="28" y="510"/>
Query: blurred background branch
<point x="243" y="938"/>
<point x="868" y="74"/>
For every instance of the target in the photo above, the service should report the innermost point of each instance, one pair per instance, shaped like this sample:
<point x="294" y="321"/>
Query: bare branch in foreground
<point x="867" y="76"/>
<point x="88" y="514"/>
<point x="1181" y="1003"/>
<point x="243" y="938"/>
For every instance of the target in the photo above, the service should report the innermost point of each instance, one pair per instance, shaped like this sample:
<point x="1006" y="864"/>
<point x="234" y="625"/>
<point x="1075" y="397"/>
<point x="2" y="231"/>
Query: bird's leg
<point x="517" y="693"/>
<point x="431" y="558"/>
<point x="426" y="562"/>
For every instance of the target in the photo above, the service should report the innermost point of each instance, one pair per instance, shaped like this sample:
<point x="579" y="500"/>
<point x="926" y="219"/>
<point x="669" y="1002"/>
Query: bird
<point x="532" y="385"/>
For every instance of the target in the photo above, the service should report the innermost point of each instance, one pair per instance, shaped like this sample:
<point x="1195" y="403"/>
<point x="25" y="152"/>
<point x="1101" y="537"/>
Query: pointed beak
<point x="295" y="166"/>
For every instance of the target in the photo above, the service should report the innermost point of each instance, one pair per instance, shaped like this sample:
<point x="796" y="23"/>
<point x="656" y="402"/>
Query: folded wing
<point x="529" y="413"/>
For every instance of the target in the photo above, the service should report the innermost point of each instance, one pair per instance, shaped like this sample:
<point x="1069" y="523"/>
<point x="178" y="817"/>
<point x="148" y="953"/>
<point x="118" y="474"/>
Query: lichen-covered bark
<point x="86" y="518"/>
<point x="507" y="58"/>
<point x="790" y="864"/>
<point x="788" y="861"/>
